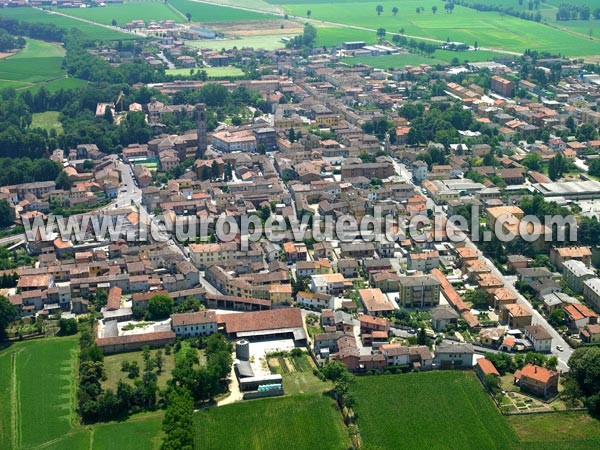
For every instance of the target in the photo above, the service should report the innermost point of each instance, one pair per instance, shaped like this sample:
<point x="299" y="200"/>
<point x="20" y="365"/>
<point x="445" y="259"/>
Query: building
<point x="419" y="291"/>
<point x="578" y="316"/>
<point x="454" y="355"/>
<point x="202" y="323"/>
<point x="575" y="272"/>
<point x="591" y="291"/>
<point x="315" y="300"/>
<point x="515" y="316"/>
<point x="283" y="323"/>
<point x="502" y="86"/>
<point x="539" y="337"/>
<point x="485" y="367"/>
<point x="558" y="255"/>
<point x="206" y="255"/>
<point x="590" y="334"/>
<point x="329" y="283"/>
<point x="131" y="342"/>
<point x="537" y="380"/>
<point x="442" y="316"/>
<point x="375" y="302"/>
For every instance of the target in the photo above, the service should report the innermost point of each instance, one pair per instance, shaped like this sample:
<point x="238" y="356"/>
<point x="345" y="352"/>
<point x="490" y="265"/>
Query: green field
<point x="38" y="61"/>
<point x="211" y="72"/>
<point x="141" y="432"/>
<point x="205" y="13"/>
<point x="112" y="366"/>
<point x="47" y="120"/>
<point x="432" y="410"/>
<point x="301" y="422"/>
<point x="126" y="12"/>
<point x="254" y="4"/>
<point x="89" y="30"/>
<point x="40" y="384"/>
<point x="58" y="84"/>
<point x="489" y="29"/>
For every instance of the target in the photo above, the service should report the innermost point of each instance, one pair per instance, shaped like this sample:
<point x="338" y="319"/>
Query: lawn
<point x="126" y="12"/>
<point x="211" y="72"/>
<point x="205" y="13"/>
<point x="432" y="410"/>
<point x="39" y="407"/>
<point x="90" y="31"/>
<point x="489" y="29"/>
<point x="47" y="120"/>
<point x="112" y="366"/>
<point x="301" y="422"/>
<point x="266" y="41"/>
<point x="38" y="61"/>
<point x="140" y="432"/>
<point x="562" y="430"/>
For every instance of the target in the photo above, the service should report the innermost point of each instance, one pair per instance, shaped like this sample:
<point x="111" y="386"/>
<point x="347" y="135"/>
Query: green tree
<point x="594" y="168"/>
<point x="434" y="9"/>
<point x="160" y="307"/>
<point x="178" y="423"/>
<point x="381" y="33"/>
<point x="5" y="214"/>
<point x="394" y="10"/>
<point x="67" y="327"/>
<point x="8" y="313"/>
<point x="188" y="16"/>
<point x="556" y="318"/>
<point x="379" y="9"/>
<point x="63" y="181"/>
<point x="533" y="161"/>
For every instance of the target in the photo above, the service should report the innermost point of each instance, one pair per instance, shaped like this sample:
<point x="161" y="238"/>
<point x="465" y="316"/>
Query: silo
<point x="242" y="350"/>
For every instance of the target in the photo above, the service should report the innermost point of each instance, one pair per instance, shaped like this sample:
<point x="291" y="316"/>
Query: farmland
<point x="205" y="13"/>
<point x="211" y="72"/>
<point x="38" y="409"/>
<point x="489" y="29"/>
<point x="141" y="432"/>
<point x="449" y="410"/>
<point x="300" y="422"/>
<point x="58" y="84"/>
<point x="266" y="41"/>
<point x="38" y="61"/>
<point x="89" y="30"/>
<point x="126" y="12"/>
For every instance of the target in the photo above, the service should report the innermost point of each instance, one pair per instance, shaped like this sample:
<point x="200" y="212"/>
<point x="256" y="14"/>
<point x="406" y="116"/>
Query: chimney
<point x="200" y="111"/>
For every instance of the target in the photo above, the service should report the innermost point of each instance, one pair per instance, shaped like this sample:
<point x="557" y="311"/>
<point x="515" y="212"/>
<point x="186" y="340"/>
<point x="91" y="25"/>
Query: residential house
<point x="202" y="323"/>
<point x="454" y="355"/>
<point x="315" y="300"/>
<point x="442" y="316"/>
<point x="539" y="337"/>
<point x="375" y="302"/>
<point x="516" y="316"/>
<point x="537" y="380"/>
<point x="419" y="291"/>
<point x="575" y="272"/>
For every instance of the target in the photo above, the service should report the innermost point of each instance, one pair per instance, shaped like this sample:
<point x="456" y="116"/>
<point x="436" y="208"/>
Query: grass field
<point x="47" y="120"/>
<point x="205" y="13"/>
<point x="429" y="410"/>
<point x="38" y="61"/>
<point x="301" y="422"/>
<point x="89" y="30"/>
<point x="59" y="83"/>
<point x="489" y="29"/>
<point x="211" y="72"/>
<point x="112" y="366"/>
<point x="267" y="42"/>
<point x="141" y="432"/>
<point x="41" y="386"/>
<point x="126" y="12"/>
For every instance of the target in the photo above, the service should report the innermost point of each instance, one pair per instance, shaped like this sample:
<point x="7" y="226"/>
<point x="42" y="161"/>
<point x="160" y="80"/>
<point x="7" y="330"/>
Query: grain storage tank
<point x="242" y="350"/>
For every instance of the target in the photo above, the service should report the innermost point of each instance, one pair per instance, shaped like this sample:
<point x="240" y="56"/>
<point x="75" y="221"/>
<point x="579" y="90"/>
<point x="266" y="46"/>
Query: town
<point x="487" y="173"/>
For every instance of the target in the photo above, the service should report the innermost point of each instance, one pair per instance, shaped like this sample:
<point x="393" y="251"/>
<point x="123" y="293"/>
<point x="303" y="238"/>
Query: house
<point x="537" y="380"/>
<point x="484" y="367"/>
<point x="132" y="342"/>
<point x="399" y="355"/>
<point x="515" y="315"/>
<point x="578" y="316"/>
<point x="454" y="355"/>
<point x="539" y="337"/>
<point x="558" y="255"/>
<point x="369" y="324"/>
<point x="337" y="320"/>
<point x="491" y="337"/>
<point x="329" y="283"/>
<point x="530" y="274"/>
<point x="315" y="300"/>
<point x="575" y="272"/>
<point x="591" y="291"/>
<point x="442" y="316"/>
<point x="375" y="302"/>
<point x="590" y="334"/>
<point x="419" y="291"/>
<point x="202" y="323"/>
<point x="348" y="267"/>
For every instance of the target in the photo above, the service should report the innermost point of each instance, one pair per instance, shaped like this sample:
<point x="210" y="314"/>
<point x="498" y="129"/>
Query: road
<point x="537" y="318"/>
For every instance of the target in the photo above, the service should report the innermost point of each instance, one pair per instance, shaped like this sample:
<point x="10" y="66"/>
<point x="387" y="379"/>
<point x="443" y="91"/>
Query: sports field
<point x="205" y="13"/>
<point x="429" y="410"/>
<point x="126" y="12"/>
<point x="38" y="392"/>
<point x="489" y="29"/>
<point x="300" y="422"/>
<point x="91" y="31"/>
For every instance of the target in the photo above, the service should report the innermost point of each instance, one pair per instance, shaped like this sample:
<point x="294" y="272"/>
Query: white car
<point x="560" y="348"/>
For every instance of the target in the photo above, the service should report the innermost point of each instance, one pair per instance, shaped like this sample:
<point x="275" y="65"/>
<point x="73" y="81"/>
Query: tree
<point x="594" y="168"/>
<point x="188" y="16"/>
<point x="334" y="371"/>
<point x="422" y="336"/>
<point x="379" y="9"/>
<point x="557" y="166"/>
<point x="533" y="161"/>
<point x="88" y="165"/>
<point x="178" y="423"/>
<point x="63" y="181"/>
<point x="584" y="366"/>
<point x="8" y="313"/>
<point x="381" y="33"/>
<point x="394" y="10"/>
<point x="556" y="318"/>
<point x="418" y="10"/>
<point x="5" y="214"/>
<point x="308" y="13"/>
<point x="160" y="307"/>
<point x="478" y="298"/>
<point x="434" y="9"/>
<point x="114" y="23"/>
<point x="158" y="360"/>
<point x="67" y="327"/>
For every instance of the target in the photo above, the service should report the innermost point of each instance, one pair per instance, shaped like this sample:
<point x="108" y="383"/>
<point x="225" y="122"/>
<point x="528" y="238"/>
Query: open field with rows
<point x="429" y="410"/>
<point x="38" y="61"/>
<point x="489" y="29"/>
<point x="126" y="12"/>
<point x="91" y="31"/>
<point x="301" y="422"/>
<point x="205" y="13"/>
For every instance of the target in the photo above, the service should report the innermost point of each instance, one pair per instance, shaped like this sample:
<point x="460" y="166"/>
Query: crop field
<point x="38" y="378"/>
<point x="264" y="41"/>
<point x="58" y="84"/>
<point x="126" y="12"/>
<point x="489" y="29"/>
<point x="205" y="13"/>
<point x="38" y="61"/>
<point x="301" y="422"/>
<point x="141" y="432"/>
<point x="91" y="31"/>
<point x="429" y="410"/>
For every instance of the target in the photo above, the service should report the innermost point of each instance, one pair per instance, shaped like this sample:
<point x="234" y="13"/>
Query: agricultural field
<point x="91" y="31"/>
<point x="47" y="120"/>
<point x="429" y="410"/>
<point x="205" y="13"/>
<point x="252" y="4"/>
<point x="140" y="432"/>
<point x="489" y="29"/>
<point x="266" y="41"/>
<point x="58" y="84"/>
<point x="301" y="422"/>
<point x="211" y="72"/>
<point x="126" y="12"/>
<point x="38" y="61"/>
<point x="37" y="409"/>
